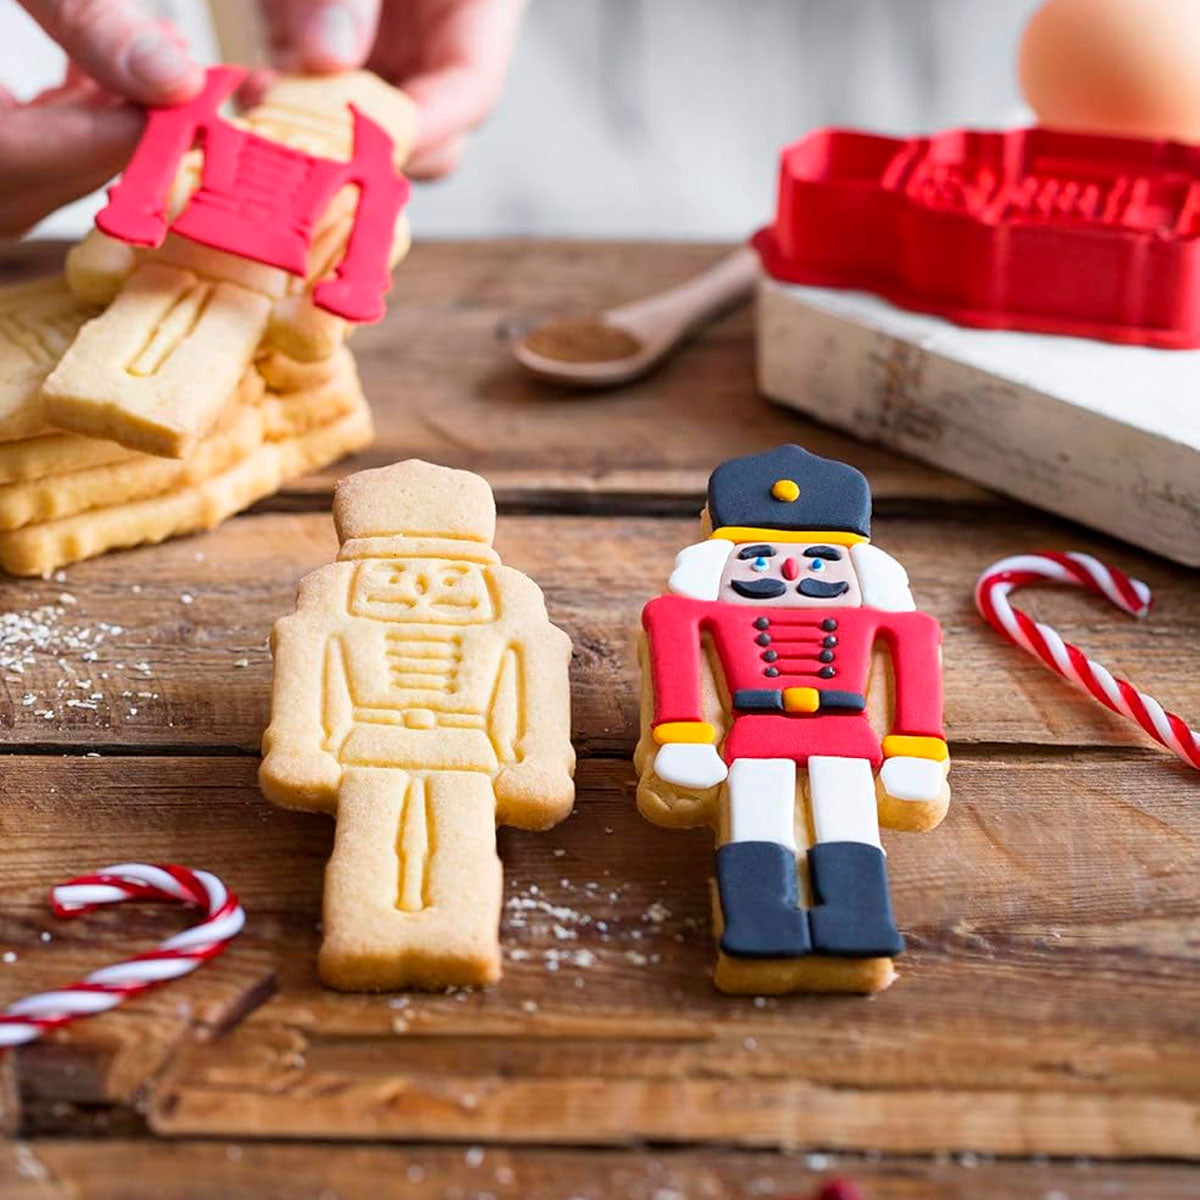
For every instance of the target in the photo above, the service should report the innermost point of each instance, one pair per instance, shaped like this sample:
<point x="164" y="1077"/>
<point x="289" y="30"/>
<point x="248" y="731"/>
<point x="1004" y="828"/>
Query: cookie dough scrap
<point x="421" y="696"/>
<point x="791" y="700"/>
<point x="298" y="446"/>
<point x="184" y="321"/>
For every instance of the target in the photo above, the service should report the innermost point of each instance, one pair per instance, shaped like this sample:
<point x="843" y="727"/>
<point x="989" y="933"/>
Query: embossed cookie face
<point x="790" y="575"/>
<point x="438" y="591"/>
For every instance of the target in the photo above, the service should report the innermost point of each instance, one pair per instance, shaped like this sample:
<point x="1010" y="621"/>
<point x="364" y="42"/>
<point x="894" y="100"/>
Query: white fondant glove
<point x="906" y="778"/>
<point x="690" y="764"/>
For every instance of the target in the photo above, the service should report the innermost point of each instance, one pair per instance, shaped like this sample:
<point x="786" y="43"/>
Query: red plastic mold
<point x="1033" y="229"/>
<point x="260" y="199"/>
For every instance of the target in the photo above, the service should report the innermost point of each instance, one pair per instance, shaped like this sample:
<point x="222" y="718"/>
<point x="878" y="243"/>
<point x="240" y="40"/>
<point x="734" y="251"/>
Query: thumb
<point x="121" y="47"/>
<point x="321" y="35"/>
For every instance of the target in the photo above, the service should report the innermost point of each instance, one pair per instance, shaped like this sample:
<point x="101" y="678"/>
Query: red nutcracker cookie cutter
<point x="262" y="200"/>
<point x="1034" y="229"/>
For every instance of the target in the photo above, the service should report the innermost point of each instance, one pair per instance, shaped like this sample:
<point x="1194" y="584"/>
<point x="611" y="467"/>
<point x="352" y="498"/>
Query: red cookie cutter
<point x="1032" y="229"/>
<point x="262" y="200"/>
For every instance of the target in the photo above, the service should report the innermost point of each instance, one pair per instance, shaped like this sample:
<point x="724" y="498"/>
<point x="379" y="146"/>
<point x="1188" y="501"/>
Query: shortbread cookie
<point x="38" y="321"/>
<point x="421" y="695"/>
<point x="185" y="320"/>
<point x="246" y="425"/>
<point x="792" y="700"/>
<point x="63" y="453"/>
<point x="43" y="548"/>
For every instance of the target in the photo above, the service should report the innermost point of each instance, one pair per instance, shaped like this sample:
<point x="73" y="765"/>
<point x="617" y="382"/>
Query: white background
<point x="663" y="118"/>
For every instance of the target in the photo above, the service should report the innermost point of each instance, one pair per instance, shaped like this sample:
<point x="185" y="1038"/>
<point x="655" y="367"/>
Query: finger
<point x="121" y="47"/>
<point x="465" y="59"/>
<point x="321" y="35"/>
<point x="70" y="147"/>
<point x="435" y="162"/>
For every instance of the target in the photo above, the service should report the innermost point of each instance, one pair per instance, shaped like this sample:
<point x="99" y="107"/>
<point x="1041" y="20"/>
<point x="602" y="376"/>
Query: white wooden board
<point x="1107" y="435"/>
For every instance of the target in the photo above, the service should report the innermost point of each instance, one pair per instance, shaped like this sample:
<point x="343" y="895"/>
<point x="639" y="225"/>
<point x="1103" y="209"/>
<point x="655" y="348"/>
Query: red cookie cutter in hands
<point x="1033" y="229"/>
<point x="260" y="199"/>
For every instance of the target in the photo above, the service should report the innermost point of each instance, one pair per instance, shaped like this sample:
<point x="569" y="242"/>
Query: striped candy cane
<point x="1129" y="595"/>
<point x="104" y="989"/>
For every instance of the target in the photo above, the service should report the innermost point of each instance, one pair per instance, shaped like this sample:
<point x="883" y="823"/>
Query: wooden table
<point x="1041" y="1041"/>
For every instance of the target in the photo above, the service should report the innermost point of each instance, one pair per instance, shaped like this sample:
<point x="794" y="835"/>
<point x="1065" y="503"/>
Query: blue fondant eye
<point x="818" y="565"/>
<point x="759" y="564"/>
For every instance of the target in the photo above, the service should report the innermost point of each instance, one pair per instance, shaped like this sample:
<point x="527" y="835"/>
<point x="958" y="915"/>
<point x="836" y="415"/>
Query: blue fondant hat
<point x="790" y="490"/>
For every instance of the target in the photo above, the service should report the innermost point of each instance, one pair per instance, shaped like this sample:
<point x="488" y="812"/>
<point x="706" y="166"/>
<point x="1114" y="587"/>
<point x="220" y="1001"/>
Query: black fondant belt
<point x="797" y="700"/>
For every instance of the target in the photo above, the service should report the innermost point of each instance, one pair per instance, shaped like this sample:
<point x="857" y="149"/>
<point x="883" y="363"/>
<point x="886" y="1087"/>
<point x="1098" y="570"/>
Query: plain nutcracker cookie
<point x="421" y="695"/>
<point x="792" y="700"/>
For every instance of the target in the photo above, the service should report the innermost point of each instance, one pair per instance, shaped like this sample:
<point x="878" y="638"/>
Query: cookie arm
<point x="672" y="625"/>
<point x="297" y="771"/>
<point x="914" y="641"/>
<point x="536" y="791"/>
<point x="912" y="788"/>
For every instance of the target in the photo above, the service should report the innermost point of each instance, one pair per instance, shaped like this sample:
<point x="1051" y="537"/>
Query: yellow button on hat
<point x="786" y="490"/>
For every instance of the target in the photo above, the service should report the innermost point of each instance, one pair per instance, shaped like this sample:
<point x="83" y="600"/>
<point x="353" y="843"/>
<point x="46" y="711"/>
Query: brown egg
<point x="1115" y="66"/>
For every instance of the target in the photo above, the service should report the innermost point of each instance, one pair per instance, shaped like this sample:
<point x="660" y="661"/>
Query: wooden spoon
<point x="622" y="344"/>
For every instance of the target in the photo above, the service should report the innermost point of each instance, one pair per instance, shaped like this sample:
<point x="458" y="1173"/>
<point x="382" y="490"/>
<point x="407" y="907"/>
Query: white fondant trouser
<point x="762" y="800"/>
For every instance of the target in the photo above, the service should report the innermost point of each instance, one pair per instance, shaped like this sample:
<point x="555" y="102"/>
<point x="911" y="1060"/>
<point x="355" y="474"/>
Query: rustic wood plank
<point x="444" y="387"/>
<point x="189" y="665"/>
<point x="139" y="1170"/>
<point x="1047" y="1004"/>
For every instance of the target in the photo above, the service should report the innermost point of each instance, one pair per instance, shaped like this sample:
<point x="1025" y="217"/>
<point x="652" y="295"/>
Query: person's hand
<point x="450" y="56"/>
<point x="68" y="140"/>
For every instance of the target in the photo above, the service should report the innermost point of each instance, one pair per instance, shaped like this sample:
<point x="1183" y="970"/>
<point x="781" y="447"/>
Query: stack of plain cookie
<point x="151" y="393"/>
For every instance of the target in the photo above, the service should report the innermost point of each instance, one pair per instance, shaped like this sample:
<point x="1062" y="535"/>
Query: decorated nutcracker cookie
<point x="792" y="699"/>
<point x="227" y="237"/>
<point x="421" y="695"/>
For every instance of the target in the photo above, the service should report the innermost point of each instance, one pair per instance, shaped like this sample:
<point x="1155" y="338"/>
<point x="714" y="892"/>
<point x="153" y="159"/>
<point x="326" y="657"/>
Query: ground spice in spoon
<point x="581" y="340"/>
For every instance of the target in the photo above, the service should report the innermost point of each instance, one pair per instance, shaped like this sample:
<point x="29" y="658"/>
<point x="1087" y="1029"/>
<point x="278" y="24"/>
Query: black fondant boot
<point x="757" y="885"/>
<point x="852" y="911"/>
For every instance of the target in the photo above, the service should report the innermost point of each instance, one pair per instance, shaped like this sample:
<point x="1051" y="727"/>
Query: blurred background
<point x="655" y="118"/>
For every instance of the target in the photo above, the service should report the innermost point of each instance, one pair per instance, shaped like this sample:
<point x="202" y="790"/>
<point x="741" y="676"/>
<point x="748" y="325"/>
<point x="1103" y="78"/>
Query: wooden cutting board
<point x="1103" y="434"/>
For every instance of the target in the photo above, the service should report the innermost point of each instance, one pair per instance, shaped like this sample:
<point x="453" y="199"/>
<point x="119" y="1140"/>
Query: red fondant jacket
<point x="775" y="648"/>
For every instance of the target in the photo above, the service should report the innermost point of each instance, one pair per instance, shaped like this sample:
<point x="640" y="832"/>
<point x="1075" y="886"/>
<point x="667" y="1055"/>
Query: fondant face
<point x="791" y="575"/>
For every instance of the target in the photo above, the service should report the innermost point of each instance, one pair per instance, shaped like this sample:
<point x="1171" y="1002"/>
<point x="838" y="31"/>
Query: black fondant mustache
<point x="815" y="589"/>
<point x="758" y="589"/>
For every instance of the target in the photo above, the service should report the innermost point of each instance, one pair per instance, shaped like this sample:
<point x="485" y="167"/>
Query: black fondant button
<point x="762" y="623"/>
<point x="825" y="656"/>
<point x="829" y="624"/>
<point x="763" y="639"/>
<point x="827" y="672"/>
<point x="829" y="641"/>
<point x="769" y="655"/>
<point x="771" y="672"/>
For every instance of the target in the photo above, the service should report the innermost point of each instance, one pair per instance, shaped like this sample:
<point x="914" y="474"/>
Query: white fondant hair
<point x="698" y="569"/>
<point x="883" y="581"/>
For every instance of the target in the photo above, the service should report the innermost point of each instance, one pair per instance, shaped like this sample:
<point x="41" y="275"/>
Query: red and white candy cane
<point x="1129" y="595"/>
<point x="28" y="1019"/>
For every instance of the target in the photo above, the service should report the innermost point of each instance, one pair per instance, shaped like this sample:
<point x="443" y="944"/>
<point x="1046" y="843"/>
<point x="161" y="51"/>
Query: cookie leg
<point x="852" y="913"/>
<point x="756" y="869"/>
<point x="412" y="891"/>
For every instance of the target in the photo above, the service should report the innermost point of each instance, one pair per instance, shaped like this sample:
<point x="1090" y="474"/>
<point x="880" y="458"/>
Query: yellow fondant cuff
<point x="748" y="533"/>
<point x="896" y="745"/>
<point x="670" y="732"/>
